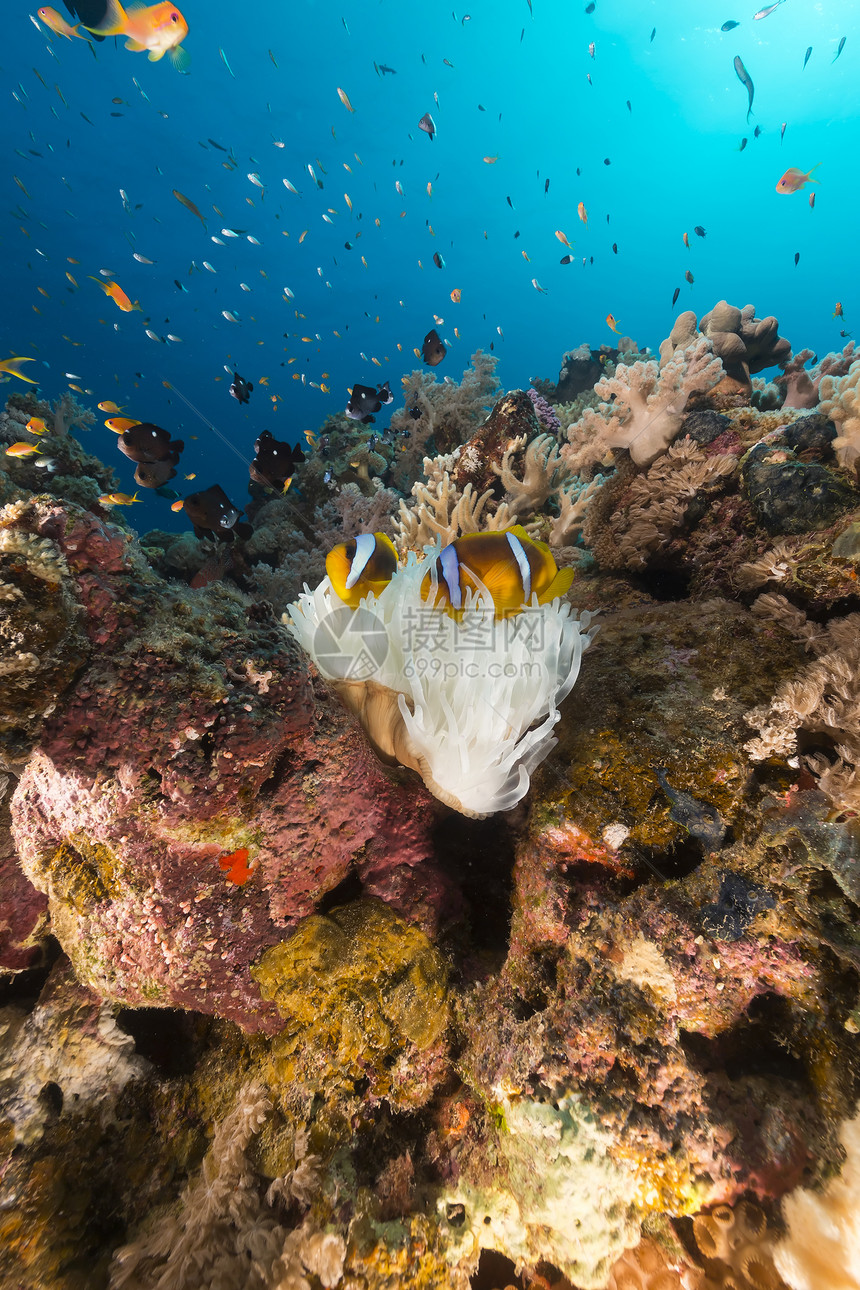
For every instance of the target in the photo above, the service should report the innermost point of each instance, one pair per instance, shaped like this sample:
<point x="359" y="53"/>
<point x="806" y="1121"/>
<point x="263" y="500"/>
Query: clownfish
<point x="510" y="565"/>
<point x="363" y="564"/>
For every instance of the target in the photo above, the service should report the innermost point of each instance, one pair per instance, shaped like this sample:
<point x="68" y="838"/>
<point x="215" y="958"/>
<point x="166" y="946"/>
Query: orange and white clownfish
<point x="363" y="564"/>
<point x="510" y="565"/>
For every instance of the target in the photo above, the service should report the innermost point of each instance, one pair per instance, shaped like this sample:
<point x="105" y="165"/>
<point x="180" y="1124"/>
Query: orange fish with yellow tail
<point x="158" y="28"/>
<point x="117" y="295"/>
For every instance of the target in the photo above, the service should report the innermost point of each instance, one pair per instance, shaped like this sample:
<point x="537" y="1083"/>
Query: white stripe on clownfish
<point x="365" y="545"/>
<point x="450" y="564"/>
<point x="525" y="568"/>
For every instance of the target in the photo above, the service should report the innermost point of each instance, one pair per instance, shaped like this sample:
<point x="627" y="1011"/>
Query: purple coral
<point x="545" y="414"/>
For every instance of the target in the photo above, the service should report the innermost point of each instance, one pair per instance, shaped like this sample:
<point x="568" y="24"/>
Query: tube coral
<point x="470" y="703"/>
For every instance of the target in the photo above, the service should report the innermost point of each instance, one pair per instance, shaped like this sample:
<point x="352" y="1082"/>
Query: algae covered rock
<point x="359" y="989"/>
<point x="42" y="645"/>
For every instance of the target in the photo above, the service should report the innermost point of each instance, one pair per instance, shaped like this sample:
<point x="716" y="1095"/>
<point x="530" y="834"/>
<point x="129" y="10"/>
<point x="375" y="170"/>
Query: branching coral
<point x="573" y="501"/>
<point x="823" y="700"/>
<point x="802" y="385"/>
<point x="440" y="510"/>
<point x="643" y="408"/>
<point x="544" y="473"/>
<point x="822" y="1246"/>
<point x="449" y="412"/>
<point x="68" y="412"/>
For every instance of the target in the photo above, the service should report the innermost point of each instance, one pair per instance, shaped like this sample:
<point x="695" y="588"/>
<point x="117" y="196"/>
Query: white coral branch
<point x="544" y="473"/>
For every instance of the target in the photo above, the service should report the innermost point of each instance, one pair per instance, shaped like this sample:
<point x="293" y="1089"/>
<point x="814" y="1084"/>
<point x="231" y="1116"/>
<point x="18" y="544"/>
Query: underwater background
<point x="645" y="133"/>
<point x="430" y="816"/>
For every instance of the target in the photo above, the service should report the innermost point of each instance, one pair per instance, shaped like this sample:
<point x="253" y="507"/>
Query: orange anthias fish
<point x="582" y="213"/>
<point x="794" y="179"/>
<point x="158" y="28"/>
<point x="837" y="312"/>
<point x="36" y="425"/>
<point x="117" y="295"/>
<point x="57" y="23"/>
<point x="612" y="324"/>
<point x="108" y="405"/>
<point x="562" y="238"/>
<point x="22" y="449"/>
<point x="119" y="425"/>
<point x="236" y="866"/>
<point x="118" y="499"/>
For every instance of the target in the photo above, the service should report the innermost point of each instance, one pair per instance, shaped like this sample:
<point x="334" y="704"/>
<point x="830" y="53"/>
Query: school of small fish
<point x="242" y="209"/>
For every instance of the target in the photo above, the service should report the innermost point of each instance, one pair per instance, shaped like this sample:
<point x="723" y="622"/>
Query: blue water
<point x="674" y="163"/>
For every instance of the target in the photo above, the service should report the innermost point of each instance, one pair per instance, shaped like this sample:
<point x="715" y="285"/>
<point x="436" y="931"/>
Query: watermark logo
<point x="350" y="644"/>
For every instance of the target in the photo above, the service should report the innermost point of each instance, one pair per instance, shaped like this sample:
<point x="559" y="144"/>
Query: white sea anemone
<point x="470" y="703"/>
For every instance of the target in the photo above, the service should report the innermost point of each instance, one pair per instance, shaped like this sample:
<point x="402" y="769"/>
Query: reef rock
<point x="40" y="631"/>
<point x="581" y="368"/>
<point x="198" y="792"/>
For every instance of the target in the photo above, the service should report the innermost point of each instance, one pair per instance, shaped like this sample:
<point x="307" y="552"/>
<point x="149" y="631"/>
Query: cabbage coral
<point x="469" y="703"/>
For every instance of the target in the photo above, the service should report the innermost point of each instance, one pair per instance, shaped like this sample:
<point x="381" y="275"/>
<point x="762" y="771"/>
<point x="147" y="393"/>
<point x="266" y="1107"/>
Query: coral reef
<point x="276" y="1016"/>
<point x="182" y="742"/>
<point x="822" y="1245"/>
<point x="43" y="646"/>
<point x="839" y="399"/>
<point x="643" y="407"/>
<point x="448" y="413"/>
<point x="363" y="996"/>
<point x="822" y="702"/>
<point x="744" y="344"/>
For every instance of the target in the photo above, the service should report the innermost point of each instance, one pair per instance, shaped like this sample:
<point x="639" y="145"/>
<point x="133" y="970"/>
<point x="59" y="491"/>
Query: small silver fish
<point x="153" y="335"/>
<point x="255" y="179"/>
<point x="142" y="258"/>
<point x="207" y="265"/>
<point x="763" y="13"/>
